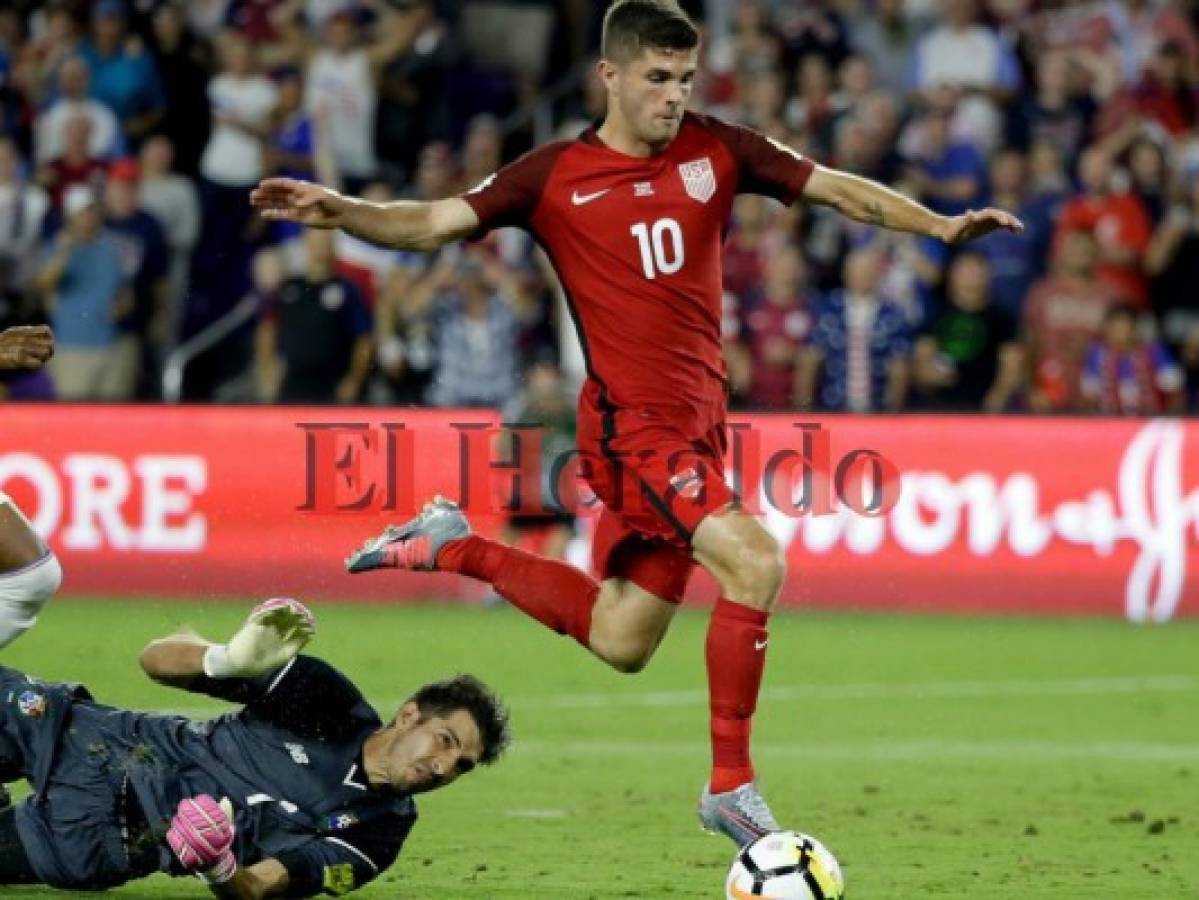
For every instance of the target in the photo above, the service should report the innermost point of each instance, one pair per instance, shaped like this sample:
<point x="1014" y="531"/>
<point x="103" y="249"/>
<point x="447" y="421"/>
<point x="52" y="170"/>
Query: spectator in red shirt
<point x="743" y="268"/>
<point x="1162" y="95"/>
<point x="1063" y="314"/>
<point x="258" y="20"/>
<point x="775" y="329"/>
<point x="1118" y="221"/>
<point x="75" y="165"/>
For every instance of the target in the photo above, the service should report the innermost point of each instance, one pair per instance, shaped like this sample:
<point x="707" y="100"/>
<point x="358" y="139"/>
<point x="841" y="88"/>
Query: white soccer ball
<point x="785" y="865"/>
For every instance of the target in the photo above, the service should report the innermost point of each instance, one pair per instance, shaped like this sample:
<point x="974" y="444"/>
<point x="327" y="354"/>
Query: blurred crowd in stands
<point x="131" y="133"/>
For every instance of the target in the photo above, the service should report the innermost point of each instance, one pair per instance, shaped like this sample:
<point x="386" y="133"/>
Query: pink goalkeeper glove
<point x="201" y="834"/>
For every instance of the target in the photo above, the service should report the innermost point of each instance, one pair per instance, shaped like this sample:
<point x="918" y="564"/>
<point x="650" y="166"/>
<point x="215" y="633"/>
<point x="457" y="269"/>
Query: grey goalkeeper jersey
<point x="289" y="761"/>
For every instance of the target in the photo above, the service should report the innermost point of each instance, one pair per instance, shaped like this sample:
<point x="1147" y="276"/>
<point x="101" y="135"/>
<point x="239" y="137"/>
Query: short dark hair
<point x="445" y="697"/>
<point x="631" y="26"/>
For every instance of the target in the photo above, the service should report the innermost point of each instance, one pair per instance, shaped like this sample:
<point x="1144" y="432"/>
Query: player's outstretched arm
<point x="868" y="201"/>
<point x="404" y="224"/>
<point x="272" y="635"/>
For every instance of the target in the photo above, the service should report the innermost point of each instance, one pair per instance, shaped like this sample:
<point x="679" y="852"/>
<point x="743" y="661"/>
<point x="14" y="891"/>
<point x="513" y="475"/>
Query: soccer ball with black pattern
<point x="785" y="865"/>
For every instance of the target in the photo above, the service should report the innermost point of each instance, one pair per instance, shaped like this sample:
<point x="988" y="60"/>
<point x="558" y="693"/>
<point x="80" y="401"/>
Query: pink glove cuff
<point x="225" y="869"/>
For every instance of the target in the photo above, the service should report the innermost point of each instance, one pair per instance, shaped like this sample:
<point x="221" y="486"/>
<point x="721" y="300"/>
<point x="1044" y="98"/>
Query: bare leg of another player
<point x="29" y="573"/>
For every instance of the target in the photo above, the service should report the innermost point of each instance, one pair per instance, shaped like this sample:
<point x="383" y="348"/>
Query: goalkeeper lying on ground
<point x="303" y="790"/>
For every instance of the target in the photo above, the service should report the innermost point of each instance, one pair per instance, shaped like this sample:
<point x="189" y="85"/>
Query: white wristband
<point x="216" y="662"/>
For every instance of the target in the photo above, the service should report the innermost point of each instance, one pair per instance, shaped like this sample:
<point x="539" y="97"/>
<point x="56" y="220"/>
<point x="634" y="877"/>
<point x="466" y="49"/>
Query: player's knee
<point x="24" y="593"/>
<point x="624" y="655"/>
<point x="757" y="572"/>
<point x="33" y="585"/>
<point x="629" y="661"/>
<point x="51" y="578"/>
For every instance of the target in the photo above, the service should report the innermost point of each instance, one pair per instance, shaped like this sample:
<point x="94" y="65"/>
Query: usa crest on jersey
<point x="699" y="178"/>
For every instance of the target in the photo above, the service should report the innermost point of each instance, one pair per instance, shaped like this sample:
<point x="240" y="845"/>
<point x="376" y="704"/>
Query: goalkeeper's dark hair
<point x="631" y="26"/>
<point x="445" y="697"/>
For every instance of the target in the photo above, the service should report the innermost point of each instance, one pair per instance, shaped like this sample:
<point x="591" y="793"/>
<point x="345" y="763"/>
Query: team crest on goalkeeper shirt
<point x="699" y="178"/>
<point x="339" y="879"/>
<point x="32" y="704"/>
<point x="341" y="821"/>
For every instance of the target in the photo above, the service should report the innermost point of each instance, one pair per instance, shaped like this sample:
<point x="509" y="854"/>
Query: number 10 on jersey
<point x="656" y="257"/>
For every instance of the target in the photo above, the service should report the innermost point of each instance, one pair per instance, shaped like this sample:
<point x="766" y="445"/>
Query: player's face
<point x="652" y="92"/>
<point x="426" y="754"/>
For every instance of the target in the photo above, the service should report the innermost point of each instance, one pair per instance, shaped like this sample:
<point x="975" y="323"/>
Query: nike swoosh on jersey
<point x="761" y="645"/>
<point x="579" y="199"/>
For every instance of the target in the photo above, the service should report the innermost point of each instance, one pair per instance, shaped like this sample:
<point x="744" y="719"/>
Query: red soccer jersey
<point x="637" y="245"/>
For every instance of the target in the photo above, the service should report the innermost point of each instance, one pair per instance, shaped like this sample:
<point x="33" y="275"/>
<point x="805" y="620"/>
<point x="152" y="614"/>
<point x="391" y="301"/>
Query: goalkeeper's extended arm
<point x="271" y="636"/>
<point x="176" y="660"/>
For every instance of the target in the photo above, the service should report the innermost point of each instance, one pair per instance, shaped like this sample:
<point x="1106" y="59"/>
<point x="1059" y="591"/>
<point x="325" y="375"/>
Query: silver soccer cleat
<point x="741" y="814"/>
<point x="416" y="543"/>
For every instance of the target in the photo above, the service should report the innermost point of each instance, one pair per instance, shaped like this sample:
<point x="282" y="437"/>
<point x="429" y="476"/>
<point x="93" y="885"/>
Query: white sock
<point x="23" y="593"/>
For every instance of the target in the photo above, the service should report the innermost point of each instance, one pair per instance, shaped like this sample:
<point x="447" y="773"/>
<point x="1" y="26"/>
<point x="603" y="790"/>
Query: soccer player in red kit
<point x="632" y="215"/>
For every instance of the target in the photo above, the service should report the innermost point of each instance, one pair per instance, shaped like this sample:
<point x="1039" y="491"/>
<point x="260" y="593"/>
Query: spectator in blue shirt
<point x="951" y="176"/>
<point x="123" y="72"/>
<point x="87" y="294"/>
<point x="1013" y="257"/>
<point x="858" y="357"/>
<point x="291" y="150"/>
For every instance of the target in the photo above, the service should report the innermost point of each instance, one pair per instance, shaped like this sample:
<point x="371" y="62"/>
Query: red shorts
<point x="656" y="486"/>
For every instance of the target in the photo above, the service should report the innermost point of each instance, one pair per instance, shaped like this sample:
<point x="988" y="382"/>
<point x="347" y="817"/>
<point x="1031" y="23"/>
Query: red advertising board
<point x="1093" y="516"/>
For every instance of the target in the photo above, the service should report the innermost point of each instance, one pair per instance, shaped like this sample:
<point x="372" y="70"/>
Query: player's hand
<point x="201" y="837"/>
<point x="26" y="347"/>
<point x="976" y="223"/>
<point x="272" y="635"/>
<point x="290" y="200"/>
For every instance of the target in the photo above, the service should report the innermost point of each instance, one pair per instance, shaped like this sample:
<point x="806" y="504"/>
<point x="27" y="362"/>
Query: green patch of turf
<point x="956" y="757"/>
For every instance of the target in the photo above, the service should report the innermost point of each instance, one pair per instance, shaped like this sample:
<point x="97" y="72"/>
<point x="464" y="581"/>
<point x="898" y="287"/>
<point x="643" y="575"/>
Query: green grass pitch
<point x="937" y="756"/>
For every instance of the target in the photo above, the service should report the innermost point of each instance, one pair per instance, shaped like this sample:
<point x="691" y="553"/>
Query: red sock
<point x="736" y="654"/>
<point x="554" y="593"/>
